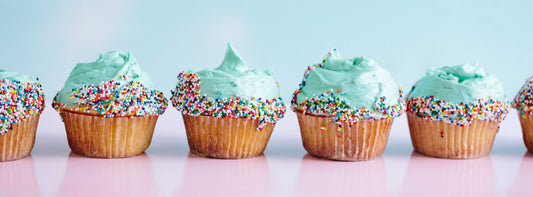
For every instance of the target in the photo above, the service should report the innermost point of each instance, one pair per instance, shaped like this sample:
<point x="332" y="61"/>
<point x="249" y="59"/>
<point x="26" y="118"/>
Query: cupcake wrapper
<point x="363" y="141"/>
<point x="526" y="121"/>
<point x="18" y="143"/>
<point x="446" y="140"/>
<point x="226" y="138"/>
<point x="108" y="137"/>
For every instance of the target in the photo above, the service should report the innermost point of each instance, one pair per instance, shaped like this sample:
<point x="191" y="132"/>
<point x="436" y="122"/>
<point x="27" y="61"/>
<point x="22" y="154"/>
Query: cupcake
<point x="523" y="102"/>
<point x="346" y="107"/>
<point x="455" y="112"/>
<point x="21" y="103"/>
<point x="109" y="108"/>
<point x="230" y="111"/>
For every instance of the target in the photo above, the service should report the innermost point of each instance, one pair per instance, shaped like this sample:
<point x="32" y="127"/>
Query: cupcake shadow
<point x="522" y="183"/>
<point x="56" y="146"/>
<point x="427" y="176"/>
<point x="321" y="177"/>
<point x="17" y="178"/>
<point x="219" y="177"/>
<point x="131" y="176"/>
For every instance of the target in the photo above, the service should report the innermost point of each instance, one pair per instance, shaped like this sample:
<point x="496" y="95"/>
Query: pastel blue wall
<point x="406" y="37"/>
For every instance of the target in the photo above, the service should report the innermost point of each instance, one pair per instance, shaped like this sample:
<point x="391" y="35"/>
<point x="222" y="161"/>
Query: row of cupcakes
<point x="345" y="109"/>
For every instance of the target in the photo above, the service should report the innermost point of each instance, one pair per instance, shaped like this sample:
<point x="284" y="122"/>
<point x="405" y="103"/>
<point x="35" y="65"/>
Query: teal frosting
<point x="234" y="79"/>
<point x="359" y="81"/>
<point x="465" y="83"/>
<point x="15" y="77"/>
<point x="113" y="65"/>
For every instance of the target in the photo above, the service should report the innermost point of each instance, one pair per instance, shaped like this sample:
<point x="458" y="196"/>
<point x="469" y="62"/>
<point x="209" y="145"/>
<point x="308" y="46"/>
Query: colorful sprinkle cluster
<point x="112" y="99"/>
<point x="187" y="98"/>
<point x="340" y="112"/>
<point x="524" y="99"/>
<point x="462" y="114"/>
<point x="19" y="100"/>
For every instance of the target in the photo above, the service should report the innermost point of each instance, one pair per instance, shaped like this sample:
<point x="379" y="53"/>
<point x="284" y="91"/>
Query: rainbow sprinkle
<point x="462" y="114"/>
<point x="112" y="99"/>
<point x="523" y="101"/>
<point x="19" y="100"/>
<point x="337" y="109"/>
<point x="188" y="99"/>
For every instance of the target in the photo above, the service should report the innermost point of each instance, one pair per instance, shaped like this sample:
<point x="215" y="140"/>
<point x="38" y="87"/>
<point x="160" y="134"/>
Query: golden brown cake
<point x="441" y="139"/>
<point x="366" y="140"/>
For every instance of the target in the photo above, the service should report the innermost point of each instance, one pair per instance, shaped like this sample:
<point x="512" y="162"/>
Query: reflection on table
<point x="428" y="176"/>
<point x="219" y="177"/>
<point x="522" y="185"/>
<point x="108" y="177"/>
<point x="320" y="177"/>
<point x="17" y="178"/>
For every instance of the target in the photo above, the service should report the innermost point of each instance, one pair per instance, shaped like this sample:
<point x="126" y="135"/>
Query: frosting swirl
<point x="13" y="76"/>
<point x="463" y="83"/>
<point x="113" y="85"/>
<point x="231" y="90"/>
<point x="233" y="78"/>
<point x="458" y="94"/>
<point x="351" y="89"/>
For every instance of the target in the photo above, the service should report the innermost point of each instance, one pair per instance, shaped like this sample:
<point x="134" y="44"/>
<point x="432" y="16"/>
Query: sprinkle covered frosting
<point x="458" y="95"/>
<point x="114" y="85"/>
<point x="188" y="99"/>
<point x="18" y="100"/>
<point x="232" y="90"/>
<point x="459" y="114"/>
<point x="523" y="101"/>
<point x="348" y="91"/>
<point x="113" y="98"/>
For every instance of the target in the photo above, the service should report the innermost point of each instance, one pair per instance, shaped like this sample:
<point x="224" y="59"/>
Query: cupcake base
<point x="446" y="140"/>
<point x="108" y="137"/>
<point x="364" y="141"/>
<point x="18" y="143"/>
<point x="526" y="121"/>
<point x="226" y="138"/>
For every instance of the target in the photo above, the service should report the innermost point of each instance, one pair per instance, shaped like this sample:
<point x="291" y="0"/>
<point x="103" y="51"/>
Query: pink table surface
<point x="167" y="168"/>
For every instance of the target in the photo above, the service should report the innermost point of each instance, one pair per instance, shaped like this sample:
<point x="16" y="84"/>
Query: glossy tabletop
<point x="168" y="169"/>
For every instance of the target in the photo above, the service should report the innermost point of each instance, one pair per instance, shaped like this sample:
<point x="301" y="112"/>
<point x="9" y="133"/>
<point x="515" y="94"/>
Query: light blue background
<point x="407" y="37"/>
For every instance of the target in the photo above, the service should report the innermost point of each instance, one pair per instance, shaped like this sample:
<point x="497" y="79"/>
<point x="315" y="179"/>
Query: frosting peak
<point x="127" y="63"/>
<point x="113" y="65"/>
<point x="334" y="61"/>
<point x="232" y="61"/>
<point x="461" y="72"/>
<point x="234" y="79"/>
<point x="115" y="57"/>
<point x="14" y="76"/>
<point x="364" y="62"/>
